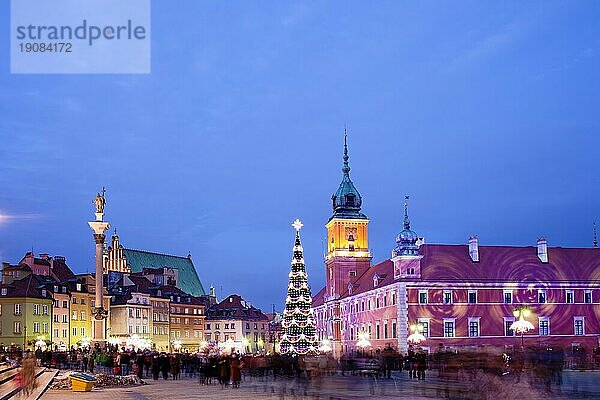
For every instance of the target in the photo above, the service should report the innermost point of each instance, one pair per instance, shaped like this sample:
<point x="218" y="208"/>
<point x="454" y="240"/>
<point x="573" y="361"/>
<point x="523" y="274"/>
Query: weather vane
<point x="297" y="224"/>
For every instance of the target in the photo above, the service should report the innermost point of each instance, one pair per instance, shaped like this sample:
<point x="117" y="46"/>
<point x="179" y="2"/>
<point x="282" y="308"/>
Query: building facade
<point x="186" y="319"/>
<point x="25" y="312"/>
<point x="237" y="320"/>
<point x="173" y="270"/>
<point x="456" y="295"/>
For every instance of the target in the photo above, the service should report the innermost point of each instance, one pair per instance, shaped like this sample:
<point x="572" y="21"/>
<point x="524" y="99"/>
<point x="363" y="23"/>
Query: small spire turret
<point x="406" y="241"/>
<point x="406" y="220"/>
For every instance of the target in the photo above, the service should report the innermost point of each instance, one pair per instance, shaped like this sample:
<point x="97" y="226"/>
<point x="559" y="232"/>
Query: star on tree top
<point x="297" y="224"/>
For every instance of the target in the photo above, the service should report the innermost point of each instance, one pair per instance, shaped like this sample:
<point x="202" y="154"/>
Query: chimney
<point x="44" y="256"/>
<point x="542" y="249"/>
<point x="474" y="248"/>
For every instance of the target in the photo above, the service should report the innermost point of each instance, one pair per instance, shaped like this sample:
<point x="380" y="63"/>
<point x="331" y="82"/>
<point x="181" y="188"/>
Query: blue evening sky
<point x="486" y="113"/>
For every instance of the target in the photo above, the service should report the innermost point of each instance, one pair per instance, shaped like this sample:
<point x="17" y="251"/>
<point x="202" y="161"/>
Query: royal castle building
<point x="457" y="296"/>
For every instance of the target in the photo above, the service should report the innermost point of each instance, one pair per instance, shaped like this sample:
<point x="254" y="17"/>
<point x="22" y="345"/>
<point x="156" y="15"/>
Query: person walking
<point x="84" y="362"/>
<point x="155" y="365"/>
<point x="125" y="359"/>
<point x="28" y="373"/>
<point x="235" y="370"/>
<point x="139" y="362"/>
<point x="421" y="360"/>
<point x="165" y="366"/>
<point x="409" y="362"/>
<point x="91" y="363"/>
<point x="388" y="355"/>
<point x="175" y="367"/>
<point x="224" y="371"/>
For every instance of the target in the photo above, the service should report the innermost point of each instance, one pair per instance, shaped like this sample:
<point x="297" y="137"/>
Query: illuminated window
<point x="544" y="326"/>
<point x="578" y="326"/>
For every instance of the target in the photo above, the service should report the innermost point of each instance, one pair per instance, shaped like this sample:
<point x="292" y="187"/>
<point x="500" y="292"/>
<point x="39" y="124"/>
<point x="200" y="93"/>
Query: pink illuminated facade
<point x="459" y="295"/>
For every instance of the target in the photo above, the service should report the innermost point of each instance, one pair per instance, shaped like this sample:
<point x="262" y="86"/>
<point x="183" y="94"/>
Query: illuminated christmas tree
<point x="298" y="322"/>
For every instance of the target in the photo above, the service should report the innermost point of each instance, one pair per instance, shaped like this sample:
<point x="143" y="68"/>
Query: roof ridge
<point x="510" y="246"/>
<point x="159" y="254"/>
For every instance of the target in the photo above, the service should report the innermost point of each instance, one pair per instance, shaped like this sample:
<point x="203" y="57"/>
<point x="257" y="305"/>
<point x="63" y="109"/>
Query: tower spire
<point x="406" y="220"/>
<point x="406" y="241"/>
<point x="346" y="167"/>
<point x="595" y="236"/>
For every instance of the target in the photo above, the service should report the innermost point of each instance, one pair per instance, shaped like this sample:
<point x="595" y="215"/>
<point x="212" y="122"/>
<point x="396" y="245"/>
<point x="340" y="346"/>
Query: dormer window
<point x="376" y="280"/>
<point x="350" y="200"/>
<point x="79" y="287"/>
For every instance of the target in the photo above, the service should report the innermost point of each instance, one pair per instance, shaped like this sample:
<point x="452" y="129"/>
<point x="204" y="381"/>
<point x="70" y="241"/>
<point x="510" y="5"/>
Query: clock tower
<point x="348" y="253"/>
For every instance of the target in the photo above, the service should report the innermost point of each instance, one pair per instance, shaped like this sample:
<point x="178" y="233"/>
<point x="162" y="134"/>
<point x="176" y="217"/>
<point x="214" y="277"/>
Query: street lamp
<point x="325" y="346"/>
<point x="363" y="341"/>
<point x="177" y="345"/>
<point x="417" y="336"/>
<point x="245" y="344"/>
<point x="521" y="325"/>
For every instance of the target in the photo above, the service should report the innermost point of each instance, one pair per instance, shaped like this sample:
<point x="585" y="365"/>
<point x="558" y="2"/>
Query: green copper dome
<point x="347" y="200"/>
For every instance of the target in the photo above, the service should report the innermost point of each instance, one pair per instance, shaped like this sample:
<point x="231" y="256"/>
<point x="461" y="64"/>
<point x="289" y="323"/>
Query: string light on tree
<point x="298" y="322"/>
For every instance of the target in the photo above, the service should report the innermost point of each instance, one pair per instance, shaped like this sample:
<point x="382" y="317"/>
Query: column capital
<point x="99" y="238"/>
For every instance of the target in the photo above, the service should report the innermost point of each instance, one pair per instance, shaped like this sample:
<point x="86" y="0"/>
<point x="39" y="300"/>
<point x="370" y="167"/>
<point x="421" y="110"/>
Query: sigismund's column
<point x="100" y="314"/>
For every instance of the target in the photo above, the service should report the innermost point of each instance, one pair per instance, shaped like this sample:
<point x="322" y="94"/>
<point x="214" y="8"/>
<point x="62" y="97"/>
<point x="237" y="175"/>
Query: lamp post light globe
<point x="416" y="337"/>
<point x="521" y="325"/>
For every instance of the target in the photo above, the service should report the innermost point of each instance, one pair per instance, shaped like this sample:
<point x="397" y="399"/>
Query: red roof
<point x="235" y="307"/>
<point x="451" y="263"/>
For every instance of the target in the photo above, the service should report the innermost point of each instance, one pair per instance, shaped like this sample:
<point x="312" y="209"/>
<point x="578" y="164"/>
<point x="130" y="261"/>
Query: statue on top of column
<point x="100" y="201"/>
